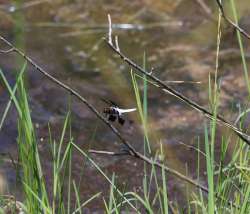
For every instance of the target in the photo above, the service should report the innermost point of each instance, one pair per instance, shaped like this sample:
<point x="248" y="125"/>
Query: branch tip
<point x="117" y="44"/>
<point x="7" y="51"/>
<point x="110" y="30"/>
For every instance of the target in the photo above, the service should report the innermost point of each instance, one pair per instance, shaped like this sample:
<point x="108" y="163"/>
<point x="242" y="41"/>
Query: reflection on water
<point x="179" y="38"/>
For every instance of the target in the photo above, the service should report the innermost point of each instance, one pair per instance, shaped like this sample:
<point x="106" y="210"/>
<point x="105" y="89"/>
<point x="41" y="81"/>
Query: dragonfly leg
<point x="121" y="120"/>
<point x="112" y="117"/>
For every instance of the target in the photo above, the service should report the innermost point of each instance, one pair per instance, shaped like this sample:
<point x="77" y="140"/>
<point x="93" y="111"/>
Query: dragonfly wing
<point x="126" y="110"/>
<point x="106" y="101"/>
<point x="113" y="103"/>
<point x="121" y="120"/>
<point x="109" y="102"/>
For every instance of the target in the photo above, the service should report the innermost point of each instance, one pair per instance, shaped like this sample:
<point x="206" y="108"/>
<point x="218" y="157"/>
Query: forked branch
<point x="236" y="26"/>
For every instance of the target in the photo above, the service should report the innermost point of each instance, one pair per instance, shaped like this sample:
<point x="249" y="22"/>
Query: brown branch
<point x="7" y="51"/>
<point x="236" y="26"/>
<point x="166" y="88"/>
<point x="131" y="150"/>
<point x="108" y="153"/>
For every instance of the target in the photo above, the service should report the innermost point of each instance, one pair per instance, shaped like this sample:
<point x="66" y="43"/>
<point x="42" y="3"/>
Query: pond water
<point x="66" y="39"/>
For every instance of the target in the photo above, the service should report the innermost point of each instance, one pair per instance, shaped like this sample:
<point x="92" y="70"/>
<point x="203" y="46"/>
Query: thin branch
<point x="236" y="26"/>
<point x="192" y="148"/>
<point x="108" y="153"/>
<point x="110" y="29"/>
<point x="166" y="88"/>
<point x="117" y="43"/>
<point x="131" y="150"/>
<point x="7" y="51"/>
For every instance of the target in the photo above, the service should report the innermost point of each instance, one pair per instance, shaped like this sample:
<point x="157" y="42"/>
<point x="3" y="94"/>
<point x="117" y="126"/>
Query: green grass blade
<point x="77" y="198"/>
<point x="104" y="175"/>
<point x="242" y="52"/>
<point x="145" y="203"/>
<point x="209" y="174"/>
<point x="140" y="108"/>
<point x="12" y="95"/>
<point x="46" y="209"/>
<point x="164" y="187"/>
<point x="87" y="201"/>
<point x="13" y="92"/>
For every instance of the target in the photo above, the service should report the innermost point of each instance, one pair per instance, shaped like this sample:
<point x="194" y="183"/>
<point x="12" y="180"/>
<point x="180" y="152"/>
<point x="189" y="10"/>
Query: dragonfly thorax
<point x="111" y="110"/>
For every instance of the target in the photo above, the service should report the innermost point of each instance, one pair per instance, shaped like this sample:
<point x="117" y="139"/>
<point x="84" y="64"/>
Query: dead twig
<point x="108" y="153"/>
<point x="236" y="26"/>
<point x="7" y="51"/>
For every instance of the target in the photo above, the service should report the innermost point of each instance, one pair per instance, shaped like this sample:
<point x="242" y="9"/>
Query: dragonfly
<point x="113" y="112"/>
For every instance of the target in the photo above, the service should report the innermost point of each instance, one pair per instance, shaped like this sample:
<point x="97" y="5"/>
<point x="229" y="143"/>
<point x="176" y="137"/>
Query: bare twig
<point x="7" y="51"/>
<point x="130" y="149"/>
<point x="110" y="29"/>
<point x="108" y="153"/>
<point x="236" y="26"/>
<point x="182" y="82"/>
<point x="192" y="148"/>
<point x="117" y="43"/>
